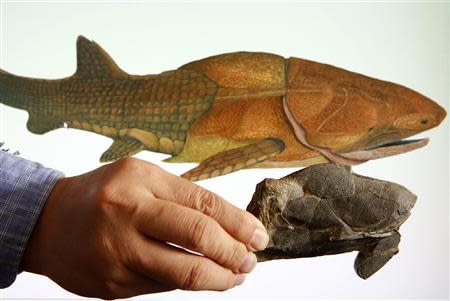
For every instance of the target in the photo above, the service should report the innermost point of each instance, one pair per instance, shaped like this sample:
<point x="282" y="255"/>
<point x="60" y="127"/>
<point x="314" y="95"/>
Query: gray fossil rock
<point x="326" y="209"/>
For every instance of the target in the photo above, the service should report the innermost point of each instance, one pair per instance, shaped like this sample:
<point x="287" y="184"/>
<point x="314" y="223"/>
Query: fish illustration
<point x="229" y="111"/>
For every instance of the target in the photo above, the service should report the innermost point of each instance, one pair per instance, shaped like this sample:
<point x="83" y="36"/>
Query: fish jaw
<point x="387" y="150"/>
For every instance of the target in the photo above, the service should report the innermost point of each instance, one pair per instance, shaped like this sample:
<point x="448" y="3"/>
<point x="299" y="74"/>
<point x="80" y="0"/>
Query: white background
<point x="407" y="43"/>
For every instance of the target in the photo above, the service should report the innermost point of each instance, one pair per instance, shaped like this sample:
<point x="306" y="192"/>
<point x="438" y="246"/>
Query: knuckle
<point x="244" y="221"/>
<point x="207" y="203"/>
<point x="235" y="256"/>
<point x="227" y="281"/>
<point x="195" y="277"/>
<point x="157" y="208"/>
<point x="109" y="197"/>
<point x="140" y="261"/>
<point x="147" y="168"/>
<point x="152" y="167"/>
<point x="135" y="166"/>
<point x="106" y="192"/>
<point x="202" y="229"/>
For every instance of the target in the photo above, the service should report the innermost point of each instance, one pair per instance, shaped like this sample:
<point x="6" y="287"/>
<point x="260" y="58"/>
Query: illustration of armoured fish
<point x="326" y="209"/>
<point x="228" y="112"/>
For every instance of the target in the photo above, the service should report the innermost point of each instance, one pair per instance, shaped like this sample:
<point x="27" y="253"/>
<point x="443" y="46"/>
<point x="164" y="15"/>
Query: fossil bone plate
<point x="326" y="209"/>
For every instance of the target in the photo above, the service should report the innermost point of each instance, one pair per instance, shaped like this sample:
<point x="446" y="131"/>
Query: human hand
<point x="104" y="233"/>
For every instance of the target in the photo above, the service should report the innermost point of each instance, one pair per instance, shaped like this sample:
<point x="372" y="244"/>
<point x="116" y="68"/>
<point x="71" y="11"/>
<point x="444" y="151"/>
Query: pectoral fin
<point x="122" y="147"/>
<point x="235" y="159"/>
<point x="373" y="258"/>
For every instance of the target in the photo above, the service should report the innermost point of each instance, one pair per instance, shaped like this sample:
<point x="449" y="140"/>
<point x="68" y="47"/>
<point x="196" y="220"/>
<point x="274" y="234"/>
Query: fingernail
<point x="248" y="264"/>
<point x="259" y="240"/>
<point x="239" y="279"/>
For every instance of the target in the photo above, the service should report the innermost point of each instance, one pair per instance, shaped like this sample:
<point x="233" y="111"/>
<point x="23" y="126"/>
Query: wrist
<point x="36" y="251"/>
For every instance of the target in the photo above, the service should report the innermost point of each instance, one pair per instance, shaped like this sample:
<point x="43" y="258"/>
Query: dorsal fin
<point x="94" y="62"/>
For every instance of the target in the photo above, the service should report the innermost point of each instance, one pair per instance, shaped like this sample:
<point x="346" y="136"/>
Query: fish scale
<point x="157" y="104"/>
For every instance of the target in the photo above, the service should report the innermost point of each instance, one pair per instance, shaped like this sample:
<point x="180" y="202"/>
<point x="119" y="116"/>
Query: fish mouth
<point x="402" y="142"/>
<point x="386" y="150"/>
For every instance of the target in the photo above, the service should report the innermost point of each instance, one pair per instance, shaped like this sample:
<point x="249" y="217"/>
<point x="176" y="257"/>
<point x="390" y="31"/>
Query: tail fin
<point x="11" y="87"/>
<point x="3" y="73"/>
<point x="4" y="86"/>
<point x="11" y="94"/>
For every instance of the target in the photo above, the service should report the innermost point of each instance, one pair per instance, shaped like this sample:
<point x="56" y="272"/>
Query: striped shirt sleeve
<point x="24" y="188"/>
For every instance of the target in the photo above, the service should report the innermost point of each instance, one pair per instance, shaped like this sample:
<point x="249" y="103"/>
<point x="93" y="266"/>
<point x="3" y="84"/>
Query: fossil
<point x="326" y="209"/>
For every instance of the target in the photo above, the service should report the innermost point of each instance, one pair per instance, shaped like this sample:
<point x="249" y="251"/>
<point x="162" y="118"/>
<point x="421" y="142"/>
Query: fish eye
<point x="424" y="121"/>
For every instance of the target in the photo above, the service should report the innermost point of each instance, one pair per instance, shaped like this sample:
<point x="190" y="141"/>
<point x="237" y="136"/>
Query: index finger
<point x="240" y="224"/>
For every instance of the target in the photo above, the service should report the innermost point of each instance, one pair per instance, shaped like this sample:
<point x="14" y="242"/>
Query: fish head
<point x="351" y="118"/>
<point x="412" y="113"/>
<point x="402" y="114"/>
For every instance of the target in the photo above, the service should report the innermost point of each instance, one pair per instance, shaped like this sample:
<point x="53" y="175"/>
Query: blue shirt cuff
<point x="24" y="188"/>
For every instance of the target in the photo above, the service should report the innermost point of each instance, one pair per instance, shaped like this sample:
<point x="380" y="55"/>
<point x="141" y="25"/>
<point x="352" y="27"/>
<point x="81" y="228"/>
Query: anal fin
<point x="122" y="147"/>
<point x="38" y="124"/>
<point x="235" y="159"/>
